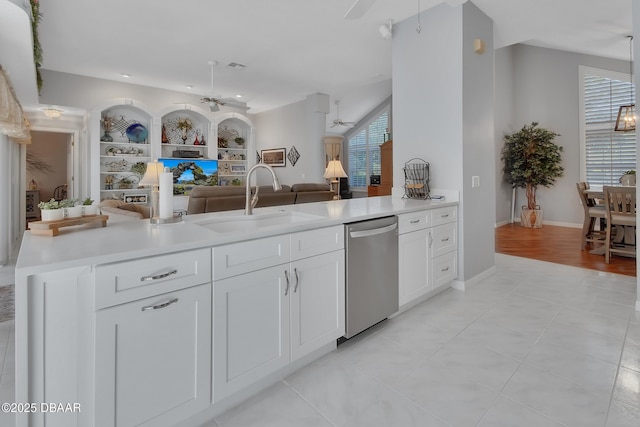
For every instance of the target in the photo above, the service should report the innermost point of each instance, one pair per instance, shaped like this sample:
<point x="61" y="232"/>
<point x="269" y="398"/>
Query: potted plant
<point x="51" y="210"/>
<point x="628" y="178"/>
<point x="239" y="140"/>
<point x="88" y="208"/>
<point x="531" y="159"/>
<point x="70" y="208"/>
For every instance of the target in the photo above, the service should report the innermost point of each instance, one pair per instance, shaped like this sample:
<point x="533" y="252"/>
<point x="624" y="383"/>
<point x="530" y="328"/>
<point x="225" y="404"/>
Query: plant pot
<point x="531" y="218"/>
<point x="628" y="180"/>
<point x="51" y="214"/>
<point x="73" y="212"/>
<point x="89" y="210"/>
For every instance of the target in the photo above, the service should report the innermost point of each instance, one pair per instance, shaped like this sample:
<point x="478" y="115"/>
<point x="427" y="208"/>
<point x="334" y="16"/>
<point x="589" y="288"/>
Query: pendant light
<point x="626" y="121"/>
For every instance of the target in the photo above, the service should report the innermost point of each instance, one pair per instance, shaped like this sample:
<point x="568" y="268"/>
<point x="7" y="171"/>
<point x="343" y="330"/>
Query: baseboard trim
<point x="467" y="284"/>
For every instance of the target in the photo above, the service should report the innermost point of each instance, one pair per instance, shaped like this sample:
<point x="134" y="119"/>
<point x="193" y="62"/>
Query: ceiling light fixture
<point x="52" y="113"/>
<point x="626" y="121"/>
<point x="125" y="75"/>
<point x="386" y="30"/>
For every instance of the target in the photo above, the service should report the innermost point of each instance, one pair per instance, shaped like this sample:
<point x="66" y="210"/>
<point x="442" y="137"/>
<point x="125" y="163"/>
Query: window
<point x="364" y="150"/>
<point x="606" y="154"/>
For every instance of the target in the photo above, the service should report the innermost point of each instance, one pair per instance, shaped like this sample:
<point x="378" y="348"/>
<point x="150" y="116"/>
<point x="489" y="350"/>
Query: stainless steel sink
<point x="247" y="223"/>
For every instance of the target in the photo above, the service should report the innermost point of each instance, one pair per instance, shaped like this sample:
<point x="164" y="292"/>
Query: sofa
<point x="215" y="199"/>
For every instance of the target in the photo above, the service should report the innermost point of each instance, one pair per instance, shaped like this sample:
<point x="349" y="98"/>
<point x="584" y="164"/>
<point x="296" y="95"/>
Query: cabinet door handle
<point x="415" y="221"/>
<point x="445" y="239"/>
<point x="158" y="276"/>
<point x="295" y="288"/>
<point x="286" y="275"/>
<point x="445" y="269"/>
<point x="430" y="239"/>
<point x="159" y="306"/>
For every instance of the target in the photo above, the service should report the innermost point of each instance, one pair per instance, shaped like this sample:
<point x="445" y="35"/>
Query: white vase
<point x="73" y="212"/>
<point x="89" y="210"/>
<point x="51" y="214"/>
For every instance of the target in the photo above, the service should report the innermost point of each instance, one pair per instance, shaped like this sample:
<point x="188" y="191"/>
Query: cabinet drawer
<point x="316" y="242"/>
<point x="445" y="269"/>
<point x="445" y="215"/>
<point x="141" y="278"/>
<point x="413" y="221"/>
<point x="243" y="257"/>
<point x="445" y="238"/>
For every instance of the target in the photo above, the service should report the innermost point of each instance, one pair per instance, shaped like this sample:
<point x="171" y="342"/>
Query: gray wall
<point x="542" y="85"/>
<point x="443" y="113"/>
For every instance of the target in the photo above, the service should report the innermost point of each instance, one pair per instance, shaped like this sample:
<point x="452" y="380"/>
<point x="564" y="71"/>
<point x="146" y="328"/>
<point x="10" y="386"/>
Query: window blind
<point x="364" y="150"/>
<point x="608" y="154"/>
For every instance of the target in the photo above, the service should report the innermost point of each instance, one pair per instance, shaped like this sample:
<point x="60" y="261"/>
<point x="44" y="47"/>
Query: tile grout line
<point x="615" y="380"/>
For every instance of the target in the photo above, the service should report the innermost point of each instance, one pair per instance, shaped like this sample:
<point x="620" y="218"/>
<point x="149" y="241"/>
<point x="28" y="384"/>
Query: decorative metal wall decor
<point x="293" y="155"/>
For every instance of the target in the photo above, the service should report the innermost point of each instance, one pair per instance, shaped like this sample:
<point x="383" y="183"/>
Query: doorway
<point x="49" y="169"/>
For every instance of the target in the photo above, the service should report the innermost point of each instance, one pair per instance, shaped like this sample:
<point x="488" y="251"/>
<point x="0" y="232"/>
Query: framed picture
<point x="275" y="157"/>
<point x="136" y="198"/>
<point x="238" y="169"/>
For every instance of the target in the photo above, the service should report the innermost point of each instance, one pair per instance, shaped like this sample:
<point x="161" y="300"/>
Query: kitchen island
<point x="173" y="324"/>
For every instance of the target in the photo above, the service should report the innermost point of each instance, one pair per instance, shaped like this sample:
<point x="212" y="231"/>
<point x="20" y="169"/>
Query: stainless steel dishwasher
<point x="372" y="272"/>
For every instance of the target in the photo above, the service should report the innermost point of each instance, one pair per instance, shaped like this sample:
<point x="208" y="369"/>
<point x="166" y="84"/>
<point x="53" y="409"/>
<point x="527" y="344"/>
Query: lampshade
<point x="334" y="170"/>
<point x="152" y="174"/>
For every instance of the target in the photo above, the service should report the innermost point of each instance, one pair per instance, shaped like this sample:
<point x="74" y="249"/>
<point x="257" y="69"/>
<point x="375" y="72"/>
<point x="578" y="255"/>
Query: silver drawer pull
<point x="445" y="240"/>
<point x="444" y="216"/>
<point x="159" y="306"/>
<point x="415" y="221"/>
<point x="158" y="276"/>
<point x="445" y="269"/>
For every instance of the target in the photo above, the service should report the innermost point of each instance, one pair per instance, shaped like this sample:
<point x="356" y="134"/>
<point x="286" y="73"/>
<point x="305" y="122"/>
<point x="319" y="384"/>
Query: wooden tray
<point x="52" y="228"/>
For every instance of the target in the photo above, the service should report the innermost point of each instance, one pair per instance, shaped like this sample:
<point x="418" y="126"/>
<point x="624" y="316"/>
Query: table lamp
<point x="334" y="170"/>
<point x="152" y="178"/>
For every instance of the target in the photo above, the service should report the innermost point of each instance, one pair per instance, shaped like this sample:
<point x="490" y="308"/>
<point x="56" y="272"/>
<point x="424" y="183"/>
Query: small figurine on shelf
<point x="202" y="142"/>
<point x="165" y="139"/>
<point x="107" y="125"/>
<point x="108" y="182"/>
<point x="185" y="126"/>
<point x="195" y="141"/>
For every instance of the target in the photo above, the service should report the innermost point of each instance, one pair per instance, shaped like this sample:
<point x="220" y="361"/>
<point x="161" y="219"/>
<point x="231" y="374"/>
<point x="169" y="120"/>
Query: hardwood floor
<point x="560" y="245"/>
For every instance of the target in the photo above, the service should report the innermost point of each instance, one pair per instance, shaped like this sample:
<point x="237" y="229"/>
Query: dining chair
<point x="620" y="210"/>
<point x="592" y="212"/>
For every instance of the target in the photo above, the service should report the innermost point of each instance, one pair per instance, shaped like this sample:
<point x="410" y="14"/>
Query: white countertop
<point x="133" y="239"/>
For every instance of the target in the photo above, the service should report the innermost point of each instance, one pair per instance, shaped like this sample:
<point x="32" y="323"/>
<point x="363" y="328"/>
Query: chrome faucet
<point x="250" y="202"/>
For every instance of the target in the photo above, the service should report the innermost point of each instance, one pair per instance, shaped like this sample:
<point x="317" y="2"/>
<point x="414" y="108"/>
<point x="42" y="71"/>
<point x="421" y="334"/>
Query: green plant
<point x="532" y="159"/>
<point x="630" y="172"/>
<point x="87" y="202"/>
<point x="51" y="204"/>
<point x="239" y="141"/>
<point x="67" y="203"/>
<point x="36" y="16"/>
<point x="139" y="168"/>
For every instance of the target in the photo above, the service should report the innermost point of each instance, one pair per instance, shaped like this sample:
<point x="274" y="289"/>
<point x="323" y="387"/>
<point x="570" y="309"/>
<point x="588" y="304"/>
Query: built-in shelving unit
<point x="122" y="138"/>
<point x="232" y="141"/>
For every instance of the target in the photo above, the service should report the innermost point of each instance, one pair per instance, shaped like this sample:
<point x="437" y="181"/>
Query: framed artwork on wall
<point x="276" y="157"/>
<point x="136" y="198"/>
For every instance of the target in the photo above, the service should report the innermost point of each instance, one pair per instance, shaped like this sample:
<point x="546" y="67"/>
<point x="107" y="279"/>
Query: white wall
<point x="443" y="113"/>
<point x="539" y="84"/>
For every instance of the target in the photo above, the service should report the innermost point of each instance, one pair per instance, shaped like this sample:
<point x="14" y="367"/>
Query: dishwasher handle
<point x="373" y="231"/>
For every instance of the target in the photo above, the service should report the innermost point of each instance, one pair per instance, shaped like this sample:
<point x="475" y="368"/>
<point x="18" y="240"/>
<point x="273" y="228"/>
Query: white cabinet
<point x="153" y="359"/>
<point x="268" y="316"/>
<point x="427" y="251"/>
<point x="251" y="328"/>
<point x="153" y="339"/>
<point x="414" y="252"/>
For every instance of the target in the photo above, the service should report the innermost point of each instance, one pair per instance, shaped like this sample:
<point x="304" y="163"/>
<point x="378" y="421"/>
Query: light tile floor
<point x="538" y="344"/>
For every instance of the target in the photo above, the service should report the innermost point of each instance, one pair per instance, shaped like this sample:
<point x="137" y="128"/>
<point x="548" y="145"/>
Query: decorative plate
<point x="137" y="133"/>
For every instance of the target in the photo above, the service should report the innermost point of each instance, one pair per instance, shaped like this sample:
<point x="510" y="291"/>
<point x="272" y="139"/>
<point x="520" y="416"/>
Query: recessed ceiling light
<point x="239" y="95"/>
<point x="189" y="86"/>
<point x="125" y="75"/>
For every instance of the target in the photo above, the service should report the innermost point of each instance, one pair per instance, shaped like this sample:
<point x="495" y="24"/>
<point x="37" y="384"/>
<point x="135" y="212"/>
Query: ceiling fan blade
<point x="359" y="8"/>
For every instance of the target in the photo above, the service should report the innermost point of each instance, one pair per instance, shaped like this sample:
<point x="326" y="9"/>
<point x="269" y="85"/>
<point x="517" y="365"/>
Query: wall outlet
<point x="475" y="181"/>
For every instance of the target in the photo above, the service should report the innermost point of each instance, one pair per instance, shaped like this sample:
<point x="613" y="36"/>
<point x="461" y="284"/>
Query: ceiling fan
<point x="213" y="102"/>
<point x="338" y="121"/>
